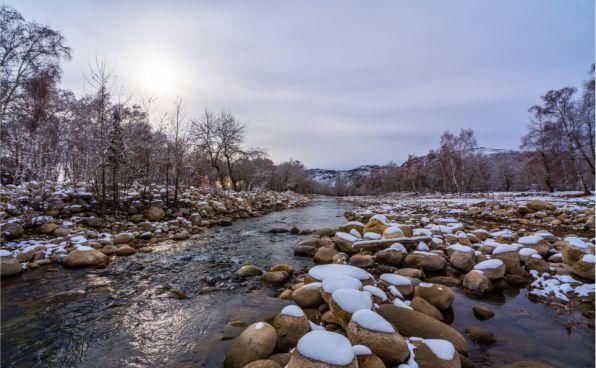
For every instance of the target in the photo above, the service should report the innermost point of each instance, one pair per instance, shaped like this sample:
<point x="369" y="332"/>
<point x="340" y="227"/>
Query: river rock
<point x="426" y="261"/>
<point x="571" y="254"/>
<point x="324" y="255"/>
<point x="12" y="230"/>
<point x="370" y="329"/>
<point x="248" y="271"/>
<point x="494" y="269"/>
<point x="182" y="235"/>
<point x="282" y="267"/>
<point x="439" y="296"/>
<point x="48" y="227"/>
<point x="585" y="267"/>
<point x="391" y="257"/>
<point x="527" y="364"/>
<point x="155" y="213"/>
<point x="436" y="353"/>
<point x="308" y="296"/>
<point x="263" y="363"/>
<point x="421" y="305"/>
<point x="323" y="349"/>
<point x="476" y="282"/>
<point x="345" y="302"/>
<point x="256" y="342"/>
<point x="482" y="313"/>
<point x="481" y="335"/>
<point x="540" y="205"/>
<point x="9" y="265"/>
<point x="366" y="359"/>
<point x="61" y="232"/>
<point x="362" y="260"/>
<point x="281" y="358"/>
<point x="376" y="225"/>
<point x="463" y="261"/>
<point x="275" y="277"/>
<point x="125" y="250"/>
<point x="86" y="258"/>
<point x="290" y="325"/>
<point x="123" y="238"/>
<point x="412" y="323"/>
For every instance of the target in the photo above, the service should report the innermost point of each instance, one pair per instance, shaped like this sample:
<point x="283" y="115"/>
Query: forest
<point x="111" y="139"/>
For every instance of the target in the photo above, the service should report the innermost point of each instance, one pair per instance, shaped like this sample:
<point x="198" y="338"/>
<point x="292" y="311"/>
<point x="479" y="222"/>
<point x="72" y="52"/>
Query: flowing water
<point x="123" y="316"/>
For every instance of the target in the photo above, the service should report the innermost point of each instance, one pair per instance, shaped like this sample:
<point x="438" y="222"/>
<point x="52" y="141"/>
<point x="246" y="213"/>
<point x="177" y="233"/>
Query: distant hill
<point x="349" y="177"/>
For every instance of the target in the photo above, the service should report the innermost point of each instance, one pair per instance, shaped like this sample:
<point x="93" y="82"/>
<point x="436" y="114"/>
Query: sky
<point x="336" y="84"/>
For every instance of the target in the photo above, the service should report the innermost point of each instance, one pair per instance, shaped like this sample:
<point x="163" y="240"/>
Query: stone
<point x="412" y="323"/>
<point x="482" y="313"/>
<point x="362" y="260"/>
<point x="463" y="261"/>
<point x="511" y="259"/>
<point x="275" y="277"/>
<point x="571" y="254"/>
<point x="374" y="225"/>
<point x="585" y="267"/>
<point x="61" y="232"/>
<point x="155" y="213"/>
<point x="248" y="271"/>
<point x="412" y="273"/>
<point x="281" y="358"/>
<point x="12" y="230"/>
<point x="325" y="232"/>
<point x="540" y="205"/>
<point x="324" y="255"/>
<point x="527" y="364"/>
<point x="388" y="345"/>
<point x="481" y="335"/>
<point x="48" y="227"/>
<point x="263" y="363"/>
<point x="421" y="305"/>
<point x="427" y="358"/>
<point x="256" y="342"/>
<point x="391" y="257"/>
<point x="313" y="350"/>
<point x="282" y="267"/>
<point x="289" y="330"/>
<point x="123" y="238"/>
<point x="9" y="266"/>
<point x="86" y="258"/>
<point x="439" y="296"/>
<point x="476" y="282"/>
<point x="182" y="235"/>
<point x="369" y="361"/>
<point x="109" y="249"/>
<point x="125" y="250"/>
<point x="145" y="250"/>
<point x="308" y="296"/>
<point x="426" y="261"/>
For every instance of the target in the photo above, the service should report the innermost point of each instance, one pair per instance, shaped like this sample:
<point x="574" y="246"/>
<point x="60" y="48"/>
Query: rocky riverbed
<point x="188" y="303"/>
<point x="385" y="291"/>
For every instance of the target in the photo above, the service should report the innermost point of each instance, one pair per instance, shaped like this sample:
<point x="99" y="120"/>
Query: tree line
<point x="106" y="139"/>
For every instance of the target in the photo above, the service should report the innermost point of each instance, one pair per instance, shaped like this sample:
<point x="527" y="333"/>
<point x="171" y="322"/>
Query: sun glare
<point x="158" y="76"/>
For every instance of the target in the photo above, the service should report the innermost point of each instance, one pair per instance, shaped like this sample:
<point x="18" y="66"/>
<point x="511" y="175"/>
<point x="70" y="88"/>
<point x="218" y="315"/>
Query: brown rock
<point x="256" y="342"/>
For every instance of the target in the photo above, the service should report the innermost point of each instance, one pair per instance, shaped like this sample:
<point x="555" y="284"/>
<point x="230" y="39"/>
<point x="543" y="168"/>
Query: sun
<point x="157" y="75"/>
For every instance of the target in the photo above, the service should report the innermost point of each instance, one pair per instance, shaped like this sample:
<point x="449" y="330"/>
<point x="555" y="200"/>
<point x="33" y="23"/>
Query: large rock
<point x="539" y="205"/>
<point x="86" y="258"/>
<point x="9" y="265"/>
<point x="426" y="261"/>
<point x="309" y="247"/>
<point x="263" y="363"/>
<point x="423" y="306"/>
<point x="123" y="238"/>
<point x="12" y="230"/>
<point x="391" y="257"/>
<point x="362" y="260"/>
<point x="476" y="282"/>
<point x="439" y="296"/>
<point x="48" y="227"/>
<point x="182" y="235"/>
<point x="290" y="325"/>
<point x="585" y="267"/>
<point x="155" y="213"/>
<point x="308" y="296"/>
<point x="411" y="323"/>
<point x="324" y="255"/>
<point x="376" y="225"/>
<point x="275" y="277"/>
<point x="436" y="353"/>
<point x="256" y="342"/>
<point x="494" y="269"/>
<point x="370" y="329"/>
<point x="345" y="302"/>
<point x="125" y="250"/>
<point x="249" y="270"/>
<point x="314" y="351"/>
<point x="463" y="261"/>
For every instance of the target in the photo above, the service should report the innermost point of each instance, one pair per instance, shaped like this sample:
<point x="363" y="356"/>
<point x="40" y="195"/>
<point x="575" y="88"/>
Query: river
<point x="123" y="316"/>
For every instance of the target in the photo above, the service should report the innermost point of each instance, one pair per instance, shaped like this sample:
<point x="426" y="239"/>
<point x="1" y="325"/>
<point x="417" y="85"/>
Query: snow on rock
<point x="504" y="248"/>
<point x="322" y="271"/>
<point x="351" y="300"/>
<point x="401" y="304"/>
<point x="315" y="327"/>
<point x="347" y="237"/>
<point x="327" y="347"/>
<point x="4" y="253"/>
<point x="527" y="252"/>
<point x="443" y="349"/>
<point x="375" y="291"/>
<point x="355" y="233"/>
<point x="399" y="247"/>
<point x="361" y="350"/>
<point x="372" y="236"/>
<point x="381" y="218"/>
<point x="332" y="283"/>
<point x="372" y="321"/>
<point x="392" y="230"/>
<point x="488" y="264"/>
<point x="530" y="239"/>
<point x="259" y="325"/>
<point x="576" y="242"/>
<point x="293" y="311"/>
<point x="394" y="279"/>
<point x="460" y="248"/>
<point x="589" y="258"/>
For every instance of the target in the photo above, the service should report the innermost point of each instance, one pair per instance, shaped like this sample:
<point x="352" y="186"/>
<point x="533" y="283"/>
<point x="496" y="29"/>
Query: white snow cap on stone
<point x="259" y="325"/>
<point x="315" y="327"/>
<point x="381" y="218"/>
<point x="354" y="223"/>
<point x="443" y="349"/>
<point x="394" y="279"/>
<point x="327" y="347"/>
<point x="398" y="246"/>
<point x="588" y="258"/>
<point x="312" y="285"/>
<point x="460" y="248"/>
<point x="489" y="264"/>
<point x="351" y="300"/>
<point x="355" y="233"/>
<point x="530" y="239"/>
<point x="504" y="248"/>
<point x="4" y="253"/>
<point x="372" y="321"/>
<point x="322" y="271"/>
<point x="361" y="350"/>
<point x="392" y="230"/>
<point x="526" y="252"/>
<point x="372" y="236"/>
<point x="293" y="311"/>
<point x="332" y="283"/>
<point x="422" y="246"/>
<point x="375" y="291"/>
<point x="576" y="242"/>
<point x="347" y="237"/>
<point x="400" y="304"/>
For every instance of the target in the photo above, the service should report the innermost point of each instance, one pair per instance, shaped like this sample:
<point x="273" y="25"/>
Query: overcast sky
<point x="337" y="84"/>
